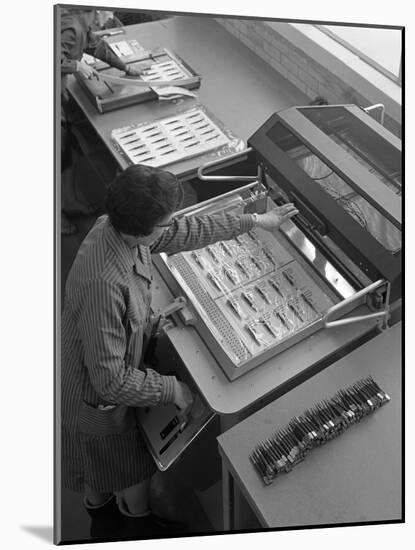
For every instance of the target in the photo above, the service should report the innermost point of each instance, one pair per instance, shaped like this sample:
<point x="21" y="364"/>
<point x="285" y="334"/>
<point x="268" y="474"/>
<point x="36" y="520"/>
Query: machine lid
<point x="343" y="171"/>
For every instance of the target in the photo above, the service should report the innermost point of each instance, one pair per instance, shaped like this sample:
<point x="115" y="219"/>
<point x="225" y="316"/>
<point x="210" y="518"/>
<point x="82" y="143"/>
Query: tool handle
<point x="344" y="303"/>
<point x="358" y="319"/>
<point x="143" y="83"/>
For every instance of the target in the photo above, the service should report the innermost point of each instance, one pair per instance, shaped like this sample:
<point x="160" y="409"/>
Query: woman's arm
<point x="199" y="231"/>
<point x="100" y="49"/>
<point x="104" y="338"/>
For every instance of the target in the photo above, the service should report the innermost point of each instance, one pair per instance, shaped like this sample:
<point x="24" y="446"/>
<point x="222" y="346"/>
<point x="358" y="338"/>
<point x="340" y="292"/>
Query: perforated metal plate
<point x="170" y="139"/>
<point x="225" y="331"/>
<point x="169" y="70"/>
<point x="251" y="293"/>
<point x="253" y="296"/>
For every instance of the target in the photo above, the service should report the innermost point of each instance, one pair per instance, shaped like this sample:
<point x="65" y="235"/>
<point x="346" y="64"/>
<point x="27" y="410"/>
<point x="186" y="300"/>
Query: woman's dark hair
<point x="140" y="197"/>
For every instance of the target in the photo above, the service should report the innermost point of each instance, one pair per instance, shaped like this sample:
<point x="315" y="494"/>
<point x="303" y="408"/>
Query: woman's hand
<point x="131" y="71"/>
<point x="183" y="397"/>
<point x="277" y="216"/>
<point x="138" y="71"/>
<point x="85" y="70"/>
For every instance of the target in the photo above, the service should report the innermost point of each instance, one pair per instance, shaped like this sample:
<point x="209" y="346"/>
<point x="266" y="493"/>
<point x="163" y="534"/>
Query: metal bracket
<point x="364" y="292"/>
<point x="178" y="303"/>
<point x="377" y="106"/>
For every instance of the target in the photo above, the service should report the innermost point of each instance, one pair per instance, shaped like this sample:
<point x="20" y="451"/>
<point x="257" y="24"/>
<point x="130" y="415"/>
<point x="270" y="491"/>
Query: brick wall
<point x="312" y="78"/>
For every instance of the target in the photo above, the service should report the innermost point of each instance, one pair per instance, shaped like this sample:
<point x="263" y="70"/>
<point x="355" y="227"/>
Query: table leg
<point x="227" y="498"/>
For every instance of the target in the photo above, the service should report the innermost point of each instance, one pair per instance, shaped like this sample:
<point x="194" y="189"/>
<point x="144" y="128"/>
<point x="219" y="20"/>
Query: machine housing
<point x="254" y="296"/>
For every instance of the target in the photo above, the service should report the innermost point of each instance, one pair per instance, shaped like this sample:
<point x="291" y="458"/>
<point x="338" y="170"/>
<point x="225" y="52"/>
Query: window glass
<point x="383" y="46"/>
<point x="345" y="196"/>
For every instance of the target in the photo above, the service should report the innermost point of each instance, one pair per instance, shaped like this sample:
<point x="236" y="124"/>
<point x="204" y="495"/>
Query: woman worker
<point x="104" y="326"/>
<point x="77" y="37"/>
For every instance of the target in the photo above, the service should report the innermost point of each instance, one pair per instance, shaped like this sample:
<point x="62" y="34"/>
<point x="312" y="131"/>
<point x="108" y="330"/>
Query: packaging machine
<point x="252" y="297"/>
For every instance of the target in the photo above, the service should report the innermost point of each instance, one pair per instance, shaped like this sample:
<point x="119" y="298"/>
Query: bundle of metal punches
<point x="317" y="425"/>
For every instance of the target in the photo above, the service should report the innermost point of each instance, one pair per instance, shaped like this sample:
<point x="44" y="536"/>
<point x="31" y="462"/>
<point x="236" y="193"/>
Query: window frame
<point x="362" y="56"/>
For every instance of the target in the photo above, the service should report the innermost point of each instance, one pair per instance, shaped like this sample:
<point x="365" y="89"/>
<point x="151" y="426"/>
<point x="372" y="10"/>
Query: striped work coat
<point x="105" y="319"/>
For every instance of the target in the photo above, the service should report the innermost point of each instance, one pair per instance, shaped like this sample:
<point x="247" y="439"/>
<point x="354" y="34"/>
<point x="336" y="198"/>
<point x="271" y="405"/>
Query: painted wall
<point x="320" y="74"/>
